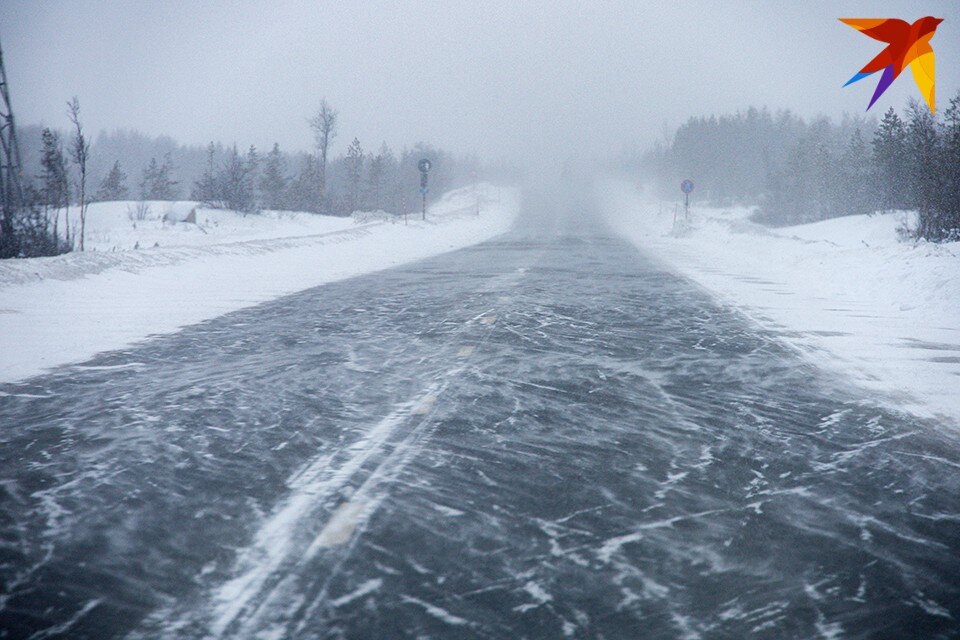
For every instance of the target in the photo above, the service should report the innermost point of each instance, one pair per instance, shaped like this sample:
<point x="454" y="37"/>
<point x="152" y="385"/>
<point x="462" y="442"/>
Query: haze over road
<point x="544" y="435"/>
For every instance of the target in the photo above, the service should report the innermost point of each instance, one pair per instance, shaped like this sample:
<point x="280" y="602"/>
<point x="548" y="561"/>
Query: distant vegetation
<point x="801" y="171"/>
<point x="122" y="165"/>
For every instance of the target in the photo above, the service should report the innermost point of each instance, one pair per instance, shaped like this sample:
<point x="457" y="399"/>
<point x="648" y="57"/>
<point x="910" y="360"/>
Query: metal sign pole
<point x="424" y="166"/>
<point x="687" y="187"/>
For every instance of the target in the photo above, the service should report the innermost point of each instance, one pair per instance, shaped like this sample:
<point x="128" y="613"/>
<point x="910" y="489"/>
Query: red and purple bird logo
<point x="907" y="44"/>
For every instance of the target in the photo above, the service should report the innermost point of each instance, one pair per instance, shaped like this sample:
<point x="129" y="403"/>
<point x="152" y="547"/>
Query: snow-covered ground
<point x="845" y="292"/>
<point x="113" y="226"/>
<point x="65" y="309"/>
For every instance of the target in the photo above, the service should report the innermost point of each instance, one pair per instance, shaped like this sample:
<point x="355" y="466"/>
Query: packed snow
<point x="848" y="292"/>
<point x="65" y="309"/>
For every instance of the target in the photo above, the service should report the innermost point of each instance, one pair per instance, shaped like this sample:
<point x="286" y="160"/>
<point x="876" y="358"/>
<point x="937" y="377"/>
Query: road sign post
<point x="687" y="187"/>
<point x="424" y="166"/>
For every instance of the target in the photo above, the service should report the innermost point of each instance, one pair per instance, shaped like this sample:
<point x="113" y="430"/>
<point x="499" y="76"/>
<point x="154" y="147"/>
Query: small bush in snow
<point x="139" y="212"/>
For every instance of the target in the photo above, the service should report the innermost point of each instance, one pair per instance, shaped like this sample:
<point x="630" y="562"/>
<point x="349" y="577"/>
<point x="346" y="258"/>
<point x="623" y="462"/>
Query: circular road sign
<point x="424" y="165"/>
<point x="686" y="186"/>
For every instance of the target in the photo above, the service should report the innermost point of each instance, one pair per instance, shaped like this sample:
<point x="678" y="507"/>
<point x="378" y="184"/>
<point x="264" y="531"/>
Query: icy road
<point x="544" y="435"/>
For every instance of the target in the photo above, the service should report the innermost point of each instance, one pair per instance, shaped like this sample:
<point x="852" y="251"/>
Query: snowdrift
<point x="846" y="292"/>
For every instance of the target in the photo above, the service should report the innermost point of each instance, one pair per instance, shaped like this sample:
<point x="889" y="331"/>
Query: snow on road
<point x="65" y="309"/>
<point x="845" y="292"/>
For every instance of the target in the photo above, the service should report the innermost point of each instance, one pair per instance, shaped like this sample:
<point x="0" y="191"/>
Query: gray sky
<point x="487" y="77"/>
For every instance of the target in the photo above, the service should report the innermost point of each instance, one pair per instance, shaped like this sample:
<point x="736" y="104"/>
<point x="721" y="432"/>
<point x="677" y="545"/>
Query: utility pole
<point x="11" y="167"/>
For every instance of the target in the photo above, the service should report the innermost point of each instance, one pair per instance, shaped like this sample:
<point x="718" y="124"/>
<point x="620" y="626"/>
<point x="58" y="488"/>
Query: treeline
<point x="355" y="180"/>
<point x="125" y="165"/>
<point x="800" y="171"/>
<point x="30" y="221"/>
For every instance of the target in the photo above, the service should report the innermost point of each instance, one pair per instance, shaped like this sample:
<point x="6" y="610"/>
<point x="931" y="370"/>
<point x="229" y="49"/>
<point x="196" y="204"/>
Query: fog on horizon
<point x="497" y="79"/>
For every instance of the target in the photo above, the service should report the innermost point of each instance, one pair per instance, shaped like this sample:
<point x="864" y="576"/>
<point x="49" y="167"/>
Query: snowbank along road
<point x="543" y="435"/>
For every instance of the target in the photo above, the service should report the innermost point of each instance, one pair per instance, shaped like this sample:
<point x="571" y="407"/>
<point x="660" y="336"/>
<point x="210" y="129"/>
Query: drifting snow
<point x="845" y="292"/>
<point x="65" y="309"/>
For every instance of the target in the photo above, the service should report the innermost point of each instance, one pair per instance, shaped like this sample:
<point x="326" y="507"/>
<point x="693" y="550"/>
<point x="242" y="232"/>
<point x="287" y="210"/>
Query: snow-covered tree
<point x="235" y="182"/>
<point x="379" y="175"/>
<point x="157" y="182"/>
<point x="949" y="199"/>
<point x="923" y="177"/>
<point x="114" y="185"/>
<point x="304" y="192"/>
<point x="354" y="165"/>
<point x="890" y="161"/>
<point x="856" y="185"/>
<point x="205" y="189"/>
<point x="273" y="179"/>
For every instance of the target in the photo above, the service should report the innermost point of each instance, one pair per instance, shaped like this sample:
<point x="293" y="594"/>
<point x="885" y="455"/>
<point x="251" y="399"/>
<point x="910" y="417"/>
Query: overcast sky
<point x="475" y="76"/>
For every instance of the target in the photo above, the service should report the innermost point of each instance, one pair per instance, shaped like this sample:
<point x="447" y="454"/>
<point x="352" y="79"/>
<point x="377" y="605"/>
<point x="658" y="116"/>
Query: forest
<point x="796" y="170"/>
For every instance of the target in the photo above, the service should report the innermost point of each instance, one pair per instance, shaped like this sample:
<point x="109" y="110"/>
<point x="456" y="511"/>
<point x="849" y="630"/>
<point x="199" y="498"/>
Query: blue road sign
<point x="686" y="186"/>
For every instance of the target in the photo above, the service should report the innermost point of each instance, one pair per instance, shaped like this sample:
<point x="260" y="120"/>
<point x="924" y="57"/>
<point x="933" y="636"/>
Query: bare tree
<point x="79" y="151"/>
<point x="324" y="125"/>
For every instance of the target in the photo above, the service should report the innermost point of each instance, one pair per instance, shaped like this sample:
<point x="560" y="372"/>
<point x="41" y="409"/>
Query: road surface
<point x="543" y="436"/>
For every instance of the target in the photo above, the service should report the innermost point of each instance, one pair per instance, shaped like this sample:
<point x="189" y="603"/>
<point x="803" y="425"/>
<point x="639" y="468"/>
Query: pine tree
<point x="205" y="190"/>
<point x="305" y="193"/>
<point x="253" y="177"/>
<point x="354" y="163"/>
<point x="157" y="183"/>
<point x="273" y="181"/>
<point x="924" y="155"/>
<point x="55" y="189"/>
<point x="114" y="186"/>
<point x="950" y="196"/>
<point x="890" y="161"/>
<point x="855" y="179"/>
<point x="381" y="166"/>
<point x="234" y="180"/>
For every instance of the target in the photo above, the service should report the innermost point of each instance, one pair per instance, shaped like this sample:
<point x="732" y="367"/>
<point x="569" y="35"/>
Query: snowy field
<point x="113" y="226"/>
<point x="845" y="292"/>
<point x="65" y="309"/>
